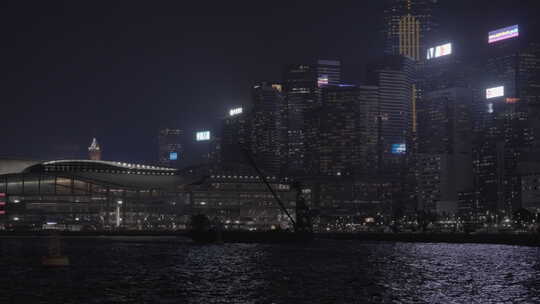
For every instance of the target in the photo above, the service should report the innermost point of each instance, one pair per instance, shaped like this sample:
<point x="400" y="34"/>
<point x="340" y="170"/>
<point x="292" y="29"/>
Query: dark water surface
<point x="161" y="270"/>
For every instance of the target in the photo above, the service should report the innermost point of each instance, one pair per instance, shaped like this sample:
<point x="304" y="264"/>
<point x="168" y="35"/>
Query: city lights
<point x="322" y="81"/>
<point x="399" y="148"/>
<point x="495" y="92"/>
<point x="504" y="33"/>
<point x="439" y="51"/>
<point x="512" y="100"/>
<point x="203" y="136"/>
<point x="235" y="111"/>
<point x="2" y="203"/>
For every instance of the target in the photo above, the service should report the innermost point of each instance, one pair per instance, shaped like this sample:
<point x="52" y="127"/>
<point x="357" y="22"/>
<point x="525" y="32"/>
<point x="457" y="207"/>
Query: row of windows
<point x="242" y="177"/>
<point x="71" y="169"/>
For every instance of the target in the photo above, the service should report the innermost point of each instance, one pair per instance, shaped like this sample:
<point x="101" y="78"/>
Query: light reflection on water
<point x="175" y="271"/>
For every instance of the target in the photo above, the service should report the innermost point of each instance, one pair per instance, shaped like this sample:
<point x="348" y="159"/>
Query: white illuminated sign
<point x="235" y="111"/>
<point x="203" y="136"/>
<point x="494" y="92"/>
<point x="439" y="51"/>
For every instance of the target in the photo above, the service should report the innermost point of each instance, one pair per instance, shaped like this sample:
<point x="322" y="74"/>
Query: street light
<point x="118" y="219"/>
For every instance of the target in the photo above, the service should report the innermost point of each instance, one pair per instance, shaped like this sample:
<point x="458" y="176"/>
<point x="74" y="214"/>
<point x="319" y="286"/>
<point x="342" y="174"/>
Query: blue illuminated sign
<point x="399" y="148"/>
<point x="173" y="156"/>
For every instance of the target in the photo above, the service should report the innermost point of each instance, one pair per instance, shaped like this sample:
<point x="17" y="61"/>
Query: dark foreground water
<point x="146" y="270"/>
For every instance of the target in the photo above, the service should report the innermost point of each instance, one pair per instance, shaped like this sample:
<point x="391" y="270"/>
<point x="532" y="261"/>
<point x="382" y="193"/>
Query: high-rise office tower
<point x="268" y="127"/>
<point x="170" y="147"/>
<point x="509" y="101"/>
<point x="444" y="159"/>
<point x="341" y="133"/>
<point x="394" y="76"/>
<point x="408" y="24"/>
<point x="328" y="73"/>
<point x="446" y="123"/>
<point x="444" y="66"/>
<point x="368" y="97"/>
<point x="214" y="152"/>
<point x="302" y="85"/>
<point x="332" y="133"/>
<point x="235" y="135"/>
<point x="301" y="94"/>
<point x="94" y="150"/>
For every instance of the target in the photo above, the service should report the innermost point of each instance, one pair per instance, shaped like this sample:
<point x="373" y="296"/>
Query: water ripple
<point x="177" y="271"/>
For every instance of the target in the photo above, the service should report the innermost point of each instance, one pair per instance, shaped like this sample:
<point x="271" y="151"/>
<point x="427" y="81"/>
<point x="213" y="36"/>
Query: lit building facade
<point x="408" y="24"/>
<point x="235" y="136"/>
<point x="302" y="84"/>
<point x="328" y="73"/>
<point x="94" y="195"/>
<point x="171" y="147"/>
<point x="103" y="195"/>
<point x="300" y="89"/>
<point x="341" y="133"/>
<point x="94" y="150"/>
<point x="444" y="160"/>
<point x="394" y="76"/>
<point x="445" y="124"/>
<point x="268" y="127"/>
<point x="508" y="102"/>
<point x="530" y="185"/>
<point x="241" y="201"/>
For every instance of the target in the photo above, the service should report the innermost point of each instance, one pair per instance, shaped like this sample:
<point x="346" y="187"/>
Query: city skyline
<point x="376" y="151"/>
<point x="129" y="88"/>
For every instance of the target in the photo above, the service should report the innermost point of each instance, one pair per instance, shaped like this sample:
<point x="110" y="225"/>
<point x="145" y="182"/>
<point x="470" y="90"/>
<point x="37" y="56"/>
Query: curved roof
<point x="13" y="165"/>
<point x="121" y="165"/>
<point x="109" y="172"/>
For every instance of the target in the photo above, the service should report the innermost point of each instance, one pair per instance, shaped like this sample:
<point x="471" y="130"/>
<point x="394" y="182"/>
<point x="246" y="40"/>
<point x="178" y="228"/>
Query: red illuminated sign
<point x="512" y="100"/>
<point x="2" y="203"/>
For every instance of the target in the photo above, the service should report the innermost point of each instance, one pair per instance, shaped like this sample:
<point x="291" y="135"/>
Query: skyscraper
<point x="302" y="85"/>
<point x="94" y="150"/>
<point x="394" y="76"/>
<point x="301" y="94"/>
<point x="408" y="24"/>
<point x="446" y="123"/>
<point x="444" y="161"/>
<point x="369" y="127"/>
<point x="170" y="147"/>
<point x="268" y="127"/>
<point x="341" y="133"/>
<point x="235" y="136"/>
<point x="328" y="73"/>
<point x="509" y="108"/>
<point x="332" y="133"/>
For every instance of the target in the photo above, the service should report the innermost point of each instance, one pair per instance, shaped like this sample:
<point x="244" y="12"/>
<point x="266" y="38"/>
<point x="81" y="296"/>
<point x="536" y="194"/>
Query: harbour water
<point x="174" y="270"/>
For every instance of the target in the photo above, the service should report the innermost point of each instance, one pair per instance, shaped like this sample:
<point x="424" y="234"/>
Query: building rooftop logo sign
<point x="495" y="92"/>
<point x="235" y="111"/>
<point x="203" y="136"/>
<point x="439" y="51"/>
<point x="504" y="33"/>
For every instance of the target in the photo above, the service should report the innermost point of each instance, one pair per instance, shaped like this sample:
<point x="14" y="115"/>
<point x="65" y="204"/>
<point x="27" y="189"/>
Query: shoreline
<point x="531" y="240"/>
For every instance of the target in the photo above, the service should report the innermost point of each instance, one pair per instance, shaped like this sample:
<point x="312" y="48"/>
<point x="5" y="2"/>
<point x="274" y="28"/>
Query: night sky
<point x="119" y="70"/>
